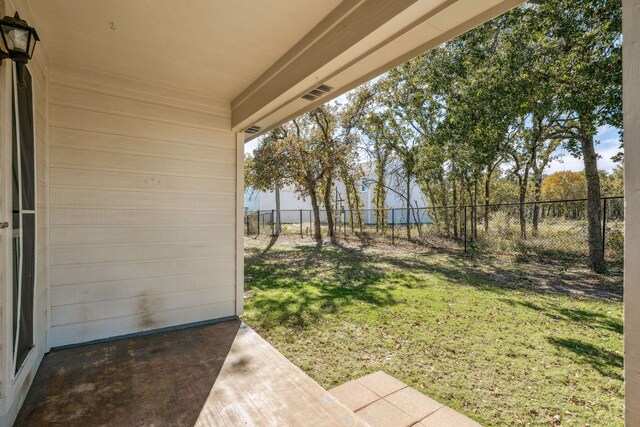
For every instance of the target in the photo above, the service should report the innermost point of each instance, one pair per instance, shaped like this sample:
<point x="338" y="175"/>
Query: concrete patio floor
<point x="221" y="374"/>
<point x="383" y="401"/>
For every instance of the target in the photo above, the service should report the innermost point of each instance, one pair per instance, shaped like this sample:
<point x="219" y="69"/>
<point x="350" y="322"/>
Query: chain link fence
<point x="556" y="229"/>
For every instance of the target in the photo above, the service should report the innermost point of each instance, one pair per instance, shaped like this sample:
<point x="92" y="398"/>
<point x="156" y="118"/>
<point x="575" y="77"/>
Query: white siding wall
<point x="142" y="207"/>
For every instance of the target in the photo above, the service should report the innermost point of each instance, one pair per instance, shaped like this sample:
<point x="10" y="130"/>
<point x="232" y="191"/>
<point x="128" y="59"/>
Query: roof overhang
<point x="356" y="42"/>
<point x="254" y="58"/>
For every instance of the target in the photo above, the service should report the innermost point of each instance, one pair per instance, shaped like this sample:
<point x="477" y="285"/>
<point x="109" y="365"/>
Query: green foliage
<point x="505" y="96"/>
<point x="501" y="97"/>
<point x="308" y="153"/>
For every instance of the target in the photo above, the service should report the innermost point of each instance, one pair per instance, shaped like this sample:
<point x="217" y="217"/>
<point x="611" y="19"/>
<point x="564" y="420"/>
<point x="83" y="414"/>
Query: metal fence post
<point x="465" y="228"/>
<point x="393" y="226"/>
<point x="273" y="229"/>
<point x="258" y="224"/>
<point x="300" y="222"/>
<point x="310" y="224"/>
<point x="604" y="225"/>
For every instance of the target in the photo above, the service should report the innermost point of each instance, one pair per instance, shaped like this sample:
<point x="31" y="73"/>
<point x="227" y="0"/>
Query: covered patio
<point x="216" y="374"/>
<point x="121" y="197"/>
<point x="219" y="373"/>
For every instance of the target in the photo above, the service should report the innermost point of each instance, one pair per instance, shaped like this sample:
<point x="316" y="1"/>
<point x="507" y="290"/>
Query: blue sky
<point x="608" y="147"/>
<point x="250" y="146"/>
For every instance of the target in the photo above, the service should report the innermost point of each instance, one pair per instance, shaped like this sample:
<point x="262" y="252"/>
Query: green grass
<point x="502" y="341"/>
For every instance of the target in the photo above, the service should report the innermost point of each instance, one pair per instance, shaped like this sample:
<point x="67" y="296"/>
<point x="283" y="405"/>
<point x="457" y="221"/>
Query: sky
<point x="608" y="147"/>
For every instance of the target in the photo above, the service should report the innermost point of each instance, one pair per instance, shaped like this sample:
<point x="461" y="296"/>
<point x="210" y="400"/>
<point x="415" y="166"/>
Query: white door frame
<point x="8" y="376"/>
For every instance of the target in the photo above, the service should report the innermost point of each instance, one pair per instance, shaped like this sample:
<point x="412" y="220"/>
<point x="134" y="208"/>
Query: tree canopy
<point x="475" y="121"/>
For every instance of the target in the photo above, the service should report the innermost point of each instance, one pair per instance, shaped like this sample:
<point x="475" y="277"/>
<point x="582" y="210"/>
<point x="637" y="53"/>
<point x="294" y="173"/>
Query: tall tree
<point x="350" y="132"/>
<point x="378" y="153"/>
<point x="584" y="38"/>
<point x="292" y="155"/>
<point x="325" y="123"/>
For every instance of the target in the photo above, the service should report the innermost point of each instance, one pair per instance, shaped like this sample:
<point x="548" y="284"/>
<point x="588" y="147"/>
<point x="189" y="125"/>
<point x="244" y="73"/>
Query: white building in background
<point x="396" y="188"/>
<point x="291" y="201"/>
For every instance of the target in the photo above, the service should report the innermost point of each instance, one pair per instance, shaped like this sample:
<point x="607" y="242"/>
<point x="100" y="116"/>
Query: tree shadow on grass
<point x="494" y="273"/>
<point x="297" y="288"/>
<point x="588" y="318"/>
<point x="300" y="284"/>
<point x="592" y="318"/>
<point x="606" y="362"/>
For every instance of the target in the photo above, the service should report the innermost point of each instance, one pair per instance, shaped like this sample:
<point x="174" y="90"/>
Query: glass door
<point x="24" y="214"/>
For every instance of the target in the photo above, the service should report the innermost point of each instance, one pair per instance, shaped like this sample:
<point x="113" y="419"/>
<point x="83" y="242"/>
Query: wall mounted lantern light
<point x="18" y="39"/>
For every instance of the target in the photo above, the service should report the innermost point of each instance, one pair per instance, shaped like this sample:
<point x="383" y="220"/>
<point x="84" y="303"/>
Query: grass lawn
<point x="502" y="340"/>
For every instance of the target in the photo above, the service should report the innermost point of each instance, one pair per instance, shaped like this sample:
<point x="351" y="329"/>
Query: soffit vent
<point x="252" y="129"/>
<point x="316" y="93"/>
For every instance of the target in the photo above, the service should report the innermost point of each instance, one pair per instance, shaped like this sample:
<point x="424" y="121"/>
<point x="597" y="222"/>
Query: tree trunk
<point x="353" y="201"/>
<point x="537" y="193"/>
<point x="415" y="212"/>
<point x="445" y="202"/>
<point x="475" y="208"/>
<point x="408" y="219"/>
<point x="455" y="210"/>
<point x="487" y="193"/>
<point x="380" y="195"/>
<point x="359" y="215"/>
<point x="316" y="215"/>
<point x="278" y="222"/>
<point x="594" y="228"/>
<point x="327" y="205"/>
<point x="347" y="187"/>
<point x="522" y="199"/>
<point x="359" y="206"/>
<point x="469" y="219"/>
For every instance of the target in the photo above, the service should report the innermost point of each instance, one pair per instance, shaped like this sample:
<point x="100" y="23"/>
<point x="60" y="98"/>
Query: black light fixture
<point x="18" y="39"/>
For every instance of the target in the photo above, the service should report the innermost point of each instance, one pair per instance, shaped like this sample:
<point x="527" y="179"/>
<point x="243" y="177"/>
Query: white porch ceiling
<point x="210" y="47"/>
<point x="256" y="56"/>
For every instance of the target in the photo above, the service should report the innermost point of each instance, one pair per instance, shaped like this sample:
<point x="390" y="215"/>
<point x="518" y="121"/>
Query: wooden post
<point x="301" y="223"/>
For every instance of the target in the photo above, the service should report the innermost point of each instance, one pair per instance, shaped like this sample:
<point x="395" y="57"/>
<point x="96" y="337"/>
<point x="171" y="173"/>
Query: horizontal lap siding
<point x="142" y="211"/>
<point x="147" y="320"/>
